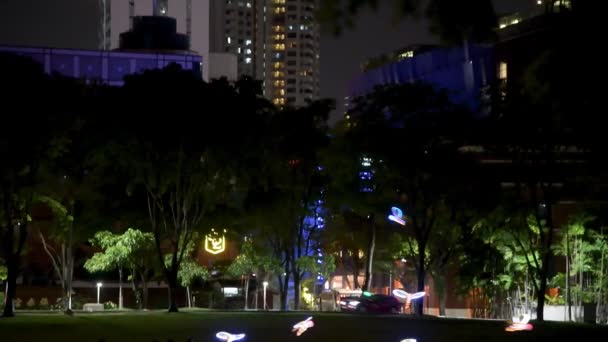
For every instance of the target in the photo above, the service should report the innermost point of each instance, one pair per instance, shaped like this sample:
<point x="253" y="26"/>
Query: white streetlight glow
<point x="265" y="286"/>
<point x="99" y="285"/>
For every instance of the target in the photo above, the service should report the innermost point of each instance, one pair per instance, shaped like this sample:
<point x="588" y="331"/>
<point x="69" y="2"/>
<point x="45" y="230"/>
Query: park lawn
<point x="269" y="326"/>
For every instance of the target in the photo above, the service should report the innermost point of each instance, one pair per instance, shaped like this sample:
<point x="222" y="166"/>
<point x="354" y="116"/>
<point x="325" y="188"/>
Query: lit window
<point x="248" y="60"/>
<point x="248" y="42"/>
<point x="248" y="52"/>
<point x="406" y="54"/>
<point x="229" y="40"/>
<point x="502" y="71"/>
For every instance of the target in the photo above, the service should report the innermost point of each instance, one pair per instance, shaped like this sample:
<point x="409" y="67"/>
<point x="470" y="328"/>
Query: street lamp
<point x="265" y="286"/>
<point x="99" y="285"/>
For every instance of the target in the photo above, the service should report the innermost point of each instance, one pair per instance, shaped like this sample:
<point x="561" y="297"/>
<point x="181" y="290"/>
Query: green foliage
<point x="310" y="265"/>
<point x="189" y="269"/>
<point x="251" y="261"/>
<point x="3" y="272"/>
<point x="61" y="215"/>
<point x="133" y="250"/>
<point x="109" y="305"/>
<point x="450" y="20"/>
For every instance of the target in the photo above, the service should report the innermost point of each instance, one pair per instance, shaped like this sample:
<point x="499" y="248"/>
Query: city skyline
<point x="75" y="24"/>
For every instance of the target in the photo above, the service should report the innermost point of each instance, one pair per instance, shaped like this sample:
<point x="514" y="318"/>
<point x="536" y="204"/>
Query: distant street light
<point x="265" y="286"/>
<point x="99" y="285"/>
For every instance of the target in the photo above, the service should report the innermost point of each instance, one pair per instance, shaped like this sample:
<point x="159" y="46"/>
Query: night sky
<point x="74" y="24"/>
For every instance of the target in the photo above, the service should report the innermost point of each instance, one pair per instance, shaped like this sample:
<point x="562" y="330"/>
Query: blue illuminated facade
<point x="462" y="72"/>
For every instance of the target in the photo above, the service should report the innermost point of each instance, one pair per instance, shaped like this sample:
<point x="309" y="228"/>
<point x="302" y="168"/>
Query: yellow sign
<point x="215" y="243"/>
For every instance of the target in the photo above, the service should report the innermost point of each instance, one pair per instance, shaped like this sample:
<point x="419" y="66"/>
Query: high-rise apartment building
<point x="289" y="37"/>
<point x="276" y="41"/>
<point x="234" y="31"/>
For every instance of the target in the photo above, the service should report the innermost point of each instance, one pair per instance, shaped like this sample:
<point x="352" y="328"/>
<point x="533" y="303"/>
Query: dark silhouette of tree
<point x="411" y="134"/>
<point x="34" y="136"/>
<point x="452" y="21"/>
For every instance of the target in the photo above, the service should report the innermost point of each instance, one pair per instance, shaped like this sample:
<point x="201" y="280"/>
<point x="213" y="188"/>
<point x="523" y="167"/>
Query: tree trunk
<point x="173" y="291"/>
<point x="544" y="270"/>
<point x="296" y="290"/>
<point x="598" y="312"/>
<point x="144" y="287"/>
<point x="136" y="292"/>
<point x="370" y="256"/>
<point x="420" y="274"/>
<point x="356" y="262"/>
<point x="283" y="287"/>
<point x="247" y="292"/>
<point x="69" y="258"/>
<point x="568" y="295"/>
<point x="188" y="294"/>
<point x="11" y="282"/>
<point x="120" y="302"/>
<point x="442" y="292"/>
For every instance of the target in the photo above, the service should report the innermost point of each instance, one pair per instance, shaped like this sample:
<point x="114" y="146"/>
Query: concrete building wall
<point x="199" y="39"/>
<point x="223" y="64"/>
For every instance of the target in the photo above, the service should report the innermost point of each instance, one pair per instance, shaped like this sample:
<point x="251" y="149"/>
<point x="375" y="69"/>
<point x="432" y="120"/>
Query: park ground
<point x="272" y="326"/>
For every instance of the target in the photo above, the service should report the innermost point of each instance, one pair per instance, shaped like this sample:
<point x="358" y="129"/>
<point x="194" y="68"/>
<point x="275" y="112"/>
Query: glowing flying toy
<point x="397" y="216"/>
<point x="405" y="297"/>
<point x="301" y="327"/>
<point x="520" y="323"/>
<point x="228" y="337"/>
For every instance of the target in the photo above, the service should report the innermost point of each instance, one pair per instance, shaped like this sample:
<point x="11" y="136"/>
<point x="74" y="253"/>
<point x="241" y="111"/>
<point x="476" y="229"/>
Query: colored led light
<point x="397" y="216"/>
<point x="228" y="337"/>
<point x="301" y="327"/>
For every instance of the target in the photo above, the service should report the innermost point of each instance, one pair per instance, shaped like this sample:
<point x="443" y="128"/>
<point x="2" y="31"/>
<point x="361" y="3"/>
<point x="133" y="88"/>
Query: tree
<point x="181" y="168"/>
<point x="251" y="261"/>
<point x="286" y="202"/>
<point x="189" y="270"/>
<point x="31" y="142"/>
<point x="410" y="134"/>
<point x="451" y="21"/>
<point x="63" y="258"/>
<point x="132" y="250"/>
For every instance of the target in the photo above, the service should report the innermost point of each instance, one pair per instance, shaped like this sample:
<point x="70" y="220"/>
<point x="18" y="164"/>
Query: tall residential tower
<point x="276" y="41"/>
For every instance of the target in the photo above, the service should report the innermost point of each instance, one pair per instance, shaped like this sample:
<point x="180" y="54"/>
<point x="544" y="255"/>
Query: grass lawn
<point x="268" y="326"/>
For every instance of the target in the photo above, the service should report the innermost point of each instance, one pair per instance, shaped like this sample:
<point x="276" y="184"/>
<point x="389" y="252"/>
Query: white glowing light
<point x="300" y="327"/>
<point x="520" y="323"/>
<point x="353" y="303"/>
<point x="409" y="340"/>
<point x="228" y="337"/>
<point x="404" y="297"/>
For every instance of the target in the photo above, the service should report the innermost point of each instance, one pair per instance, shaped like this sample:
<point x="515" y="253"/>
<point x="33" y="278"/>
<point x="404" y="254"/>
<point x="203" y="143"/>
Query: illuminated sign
<point x="397" y="216"/>
<point x="215" y="243"/>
